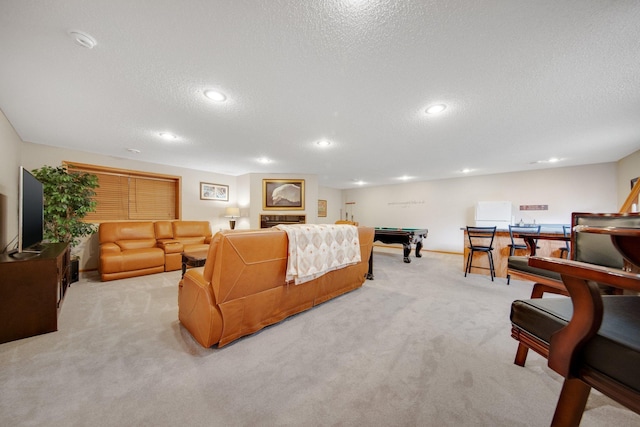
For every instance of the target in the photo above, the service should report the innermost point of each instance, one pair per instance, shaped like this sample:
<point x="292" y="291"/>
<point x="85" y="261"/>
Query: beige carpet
<point x="421" y="345"/>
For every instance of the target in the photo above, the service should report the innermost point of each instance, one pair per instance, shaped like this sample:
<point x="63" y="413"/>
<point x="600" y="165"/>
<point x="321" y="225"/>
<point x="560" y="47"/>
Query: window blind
<point x="132" y="195"/>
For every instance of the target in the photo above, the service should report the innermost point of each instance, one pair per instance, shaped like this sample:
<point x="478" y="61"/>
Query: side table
<point x="193" y="259"/>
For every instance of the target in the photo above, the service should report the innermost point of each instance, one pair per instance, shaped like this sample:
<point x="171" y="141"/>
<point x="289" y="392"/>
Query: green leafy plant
<point x="68" y="198"/>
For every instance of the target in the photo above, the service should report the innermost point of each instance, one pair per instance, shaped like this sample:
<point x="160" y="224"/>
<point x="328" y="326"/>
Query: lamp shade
<point x="232" y="213"/>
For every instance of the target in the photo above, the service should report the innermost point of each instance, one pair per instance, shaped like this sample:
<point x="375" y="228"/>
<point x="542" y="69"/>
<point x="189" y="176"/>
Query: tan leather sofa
<point x="175" y="237"/>
<point x="241" y="288"/>
<point x="129" y="249"/>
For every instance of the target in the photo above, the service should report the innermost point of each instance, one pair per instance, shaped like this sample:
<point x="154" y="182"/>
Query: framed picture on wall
<point x="322" y="208"/>
<point x="210" y="191"/>
<point x="283" y="194"/>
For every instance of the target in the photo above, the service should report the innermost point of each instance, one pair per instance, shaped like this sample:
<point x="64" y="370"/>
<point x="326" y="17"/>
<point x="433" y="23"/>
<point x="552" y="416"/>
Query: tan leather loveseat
<point x="175" y="237"/>
<point x="242" y="288"/>
<point x="129" y="249"/>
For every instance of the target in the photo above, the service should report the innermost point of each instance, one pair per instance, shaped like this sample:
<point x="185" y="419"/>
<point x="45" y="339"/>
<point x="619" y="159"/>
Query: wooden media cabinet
<point x="32" y="289"/>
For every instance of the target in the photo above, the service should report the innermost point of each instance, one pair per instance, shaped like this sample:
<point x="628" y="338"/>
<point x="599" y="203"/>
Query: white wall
<point x="243" y="183"/>
<point x="334" y="204"/>
<point x="444" y="206"/>
<point x="10" y="144"/>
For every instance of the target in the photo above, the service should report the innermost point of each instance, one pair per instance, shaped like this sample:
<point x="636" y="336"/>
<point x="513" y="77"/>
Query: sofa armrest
<point x="170" y="246"/>
<point x="109" y="248"/>
<point x="194" y="277"/>
<point x="197" y="308"/>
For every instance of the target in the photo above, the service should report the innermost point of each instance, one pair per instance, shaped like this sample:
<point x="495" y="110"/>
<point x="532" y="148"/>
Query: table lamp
<point x="232" y="213"/>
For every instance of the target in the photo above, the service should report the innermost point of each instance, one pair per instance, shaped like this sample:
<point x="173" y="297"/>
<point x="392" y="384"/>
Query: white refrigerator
<point x="489" y="214"/>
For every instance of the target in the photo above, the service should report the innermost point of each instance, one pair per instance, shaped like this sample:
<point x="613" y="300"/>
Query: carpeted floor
<point x="421" y="345"/>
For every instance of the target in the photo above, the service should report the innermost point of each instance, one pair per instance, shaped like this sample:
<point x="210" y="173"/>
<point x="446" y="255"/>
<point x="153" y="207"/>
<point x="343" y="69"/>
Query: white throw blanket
<point x="316" y="249"/>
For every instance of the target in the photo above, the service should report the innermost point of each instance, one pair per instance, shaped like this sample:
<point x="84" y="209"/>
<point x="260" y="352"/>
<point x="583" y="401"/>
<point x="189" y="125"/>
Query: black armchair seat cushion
<point x="521" y="263"/>
<point x="614" y="351"/>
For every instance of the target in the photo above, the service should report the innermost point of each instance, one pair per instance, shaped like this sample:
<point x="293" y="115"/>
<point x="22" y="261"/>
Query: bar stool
<point x="480" y="240"/>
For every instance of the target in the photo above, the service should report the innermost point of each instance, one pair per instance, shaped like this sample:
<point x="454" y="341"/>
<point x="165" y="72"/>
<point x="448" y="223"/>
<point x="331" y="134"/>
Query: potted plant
<point x="68" y="198"/>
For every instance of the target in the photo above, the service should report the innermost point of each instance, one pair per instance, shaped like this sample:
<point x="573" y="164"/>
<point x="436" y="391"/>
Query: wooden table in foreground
<point x="533" y="240"/>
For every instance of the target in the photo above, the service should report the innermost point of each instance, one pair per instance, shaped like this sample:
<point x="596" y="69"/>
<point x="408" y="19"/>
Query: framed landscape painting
<point x="210" y="191"/>
<point x="283" y="194"/>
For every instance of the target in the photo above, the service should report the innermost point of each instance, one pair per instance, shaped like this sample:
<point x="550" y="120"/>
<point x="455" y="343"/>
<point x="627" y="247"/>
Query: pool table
<point x="406" y="236"/>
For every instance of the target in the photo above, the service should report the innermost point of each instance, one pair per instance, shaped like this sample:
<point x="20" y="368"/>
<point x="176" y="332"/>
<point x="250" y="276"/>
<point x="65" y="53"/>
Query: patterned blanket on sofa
<point x="316" y="249"/>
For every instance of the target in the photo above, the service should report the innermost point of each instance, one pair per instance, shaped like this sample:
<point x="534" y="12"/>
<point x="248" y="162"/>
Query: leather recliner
<point x="128" y="249"/>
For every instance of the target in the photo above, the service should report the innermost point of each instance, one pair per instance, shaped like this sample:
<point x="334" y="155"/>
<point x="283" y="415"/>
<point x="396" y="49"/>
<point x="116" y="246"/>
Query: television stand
<point x="32" y="291"/>
<point x="24" y="254"/>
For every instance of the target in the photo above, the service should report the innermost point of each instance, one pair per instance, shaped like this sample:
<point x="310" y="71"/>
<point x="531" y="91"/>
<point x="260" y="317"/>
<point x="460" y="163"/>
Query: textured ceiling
<point x="523" y="81"/>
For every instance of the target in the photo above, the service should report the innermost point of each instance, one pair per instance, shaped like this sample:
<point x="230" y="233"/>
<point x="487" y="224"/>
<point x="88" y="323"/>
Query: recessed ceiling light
<point x="405" y="178"/>
<point x="323" y="143"/>
<point x="133" y="150"/>
<point x="466" y="170"/>
<point x="551" y="160"/>
<point x="264" y="160"/>
<point x="435" y="109"/>
<point x="168" y="136"/>
<point x="83" y="39"/>
<point x="215" y="95"/>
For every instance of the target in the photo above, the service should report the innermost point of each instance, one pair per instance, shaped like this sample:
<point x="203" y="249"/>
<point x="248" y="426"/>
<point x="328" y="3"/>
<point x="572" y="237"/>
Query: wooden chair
<point x="591" y="339"/>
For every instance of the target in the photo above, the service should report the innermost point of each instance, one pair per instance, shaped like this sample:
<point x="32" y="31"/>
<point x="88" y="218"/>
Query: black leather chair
<point x="480" y="240"/>
<point x="592" y="340"/>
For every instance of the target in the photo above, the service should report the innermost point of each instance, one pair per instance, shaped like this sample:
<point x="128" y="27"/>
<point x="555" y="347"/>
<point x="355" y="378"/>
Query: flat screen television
<point x="30" y="213"/>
